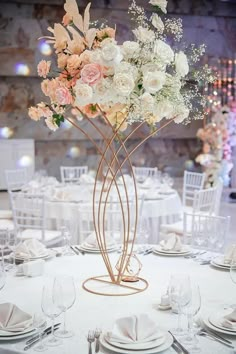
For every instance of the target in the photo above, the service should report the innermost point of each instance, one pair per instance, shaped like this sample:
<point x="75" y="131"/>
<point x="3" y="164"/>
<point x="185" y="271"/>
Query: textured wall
<point x="22" y="22"/>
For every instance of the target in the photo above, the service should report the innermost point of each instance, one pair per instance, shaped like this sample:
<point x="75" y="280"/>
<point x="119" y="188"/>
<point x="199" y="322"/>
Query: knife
<point x="32" y="339"/>
<point x="77" y="249"/>
<point x="74" y="250"/>
<point x="27" y="347"/>
<point x="184" y="350"/>
<point x="147" y="252"/>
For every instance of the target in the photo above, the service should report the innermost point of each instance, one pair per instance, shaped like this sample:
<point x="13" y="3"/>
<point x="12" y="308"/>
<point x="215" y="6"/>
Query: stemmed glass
<point x="66" y="235"/>
<point x="180" y="296"/>
<point x="51" y="307"/>
<point x="2" y="276"/>
<point x="191" y="310"/>
<point x="3" y="242"/>
<point x="12" y="244"/>
<point x="40" y="324"/>
<point x="233" y="274"/>
<point x="64" y="289"/>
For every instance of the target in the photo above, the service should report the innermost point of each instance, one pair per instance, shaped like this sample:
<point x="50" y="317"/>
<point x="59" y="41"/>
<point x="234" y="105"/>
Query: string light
<point x="6" y="132"/>
<point x="25" y="161"/>
<point x="22" y="69"/>
<point x="73" y="152"/>
<point x="45" y="48"/>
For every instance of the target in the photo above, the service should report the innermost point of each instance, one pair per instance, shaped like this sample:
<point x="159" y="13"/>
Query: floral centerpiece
<point x="126" y="85"/>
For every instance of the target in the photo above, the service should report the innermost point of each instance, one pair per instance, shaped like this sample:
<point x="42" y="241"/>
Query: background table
<point x="91" y="310"/>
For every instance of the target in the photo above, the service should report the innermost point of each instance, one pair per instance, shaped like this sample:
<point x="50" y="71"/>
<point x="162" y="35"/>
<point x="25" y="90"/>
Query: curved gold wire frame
<point x="112" y="284"/>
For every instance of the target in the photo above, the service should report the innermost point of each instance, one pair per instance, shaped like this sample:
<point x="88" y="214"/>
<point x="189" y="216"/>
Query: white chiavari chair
<point x="16" y="179"/>
<point x="30" y="218"/>
<point x="193" y="181"/>
<point x="72" y="174"/>
<point x="142" y="173"/>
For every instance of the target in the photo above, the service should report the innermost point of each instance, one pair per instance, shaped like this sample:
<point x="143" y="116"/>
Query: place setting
<point x="90" y="244"/>
<point x="171" y="246"/>
<point x="31" y="250"/>
<point x="225" y="260"/>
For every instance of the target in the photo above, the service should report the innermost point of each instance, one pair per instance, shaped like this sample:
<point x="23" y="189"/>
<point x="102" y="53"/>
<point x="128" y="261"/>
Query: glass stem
<point x="53" y="320"/>
<point x="179" y="318"/>
<point x="3" y="265"/>
<point x="190" y="326"/>
<point x="40" y="339"/>
<point x="64" y="326"/>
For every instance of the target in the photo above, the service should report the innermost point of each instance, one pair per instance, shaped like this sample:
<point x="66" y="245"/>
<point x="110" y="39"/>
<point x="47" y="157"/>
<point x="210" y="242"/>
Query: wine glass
<point x="51" y="308"/>
<point x="66" y="236"/>
<point x="40" y="324"/>
<point x="64" y="291"/>
<point x="2" y="276"/>
<point x="191" y="310"/>
<point x="180" y="295"/>
<point x="12" y="244"/>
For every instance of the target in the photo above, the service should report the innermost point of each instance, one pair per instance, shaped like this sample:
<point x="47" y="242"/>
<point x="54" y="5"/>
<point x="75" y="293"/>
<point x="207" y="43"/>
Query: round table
<point x="91" y="311"/>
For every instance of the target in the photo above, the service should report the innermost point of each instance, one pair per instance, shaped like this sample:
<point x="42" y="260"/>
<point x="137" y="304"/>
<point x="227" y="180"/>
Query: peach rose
<point x="90" y="110"/>
<point x="62" y="60"/>
<point x="73" y="63"/>
<point x="63" y="96"/>
<point x="107" y="32"/>
<point x="91" y="74"/>
<point x="34" y="113"/>
<point x="76" y="47"/>
<point x="43" y="68"/>
<point x="49" y="87"/>
<point x="85" y="57"/>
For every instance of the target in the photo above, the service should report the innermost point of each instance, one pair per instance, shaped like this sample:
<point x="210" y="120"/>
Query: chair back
<point x="193" y="181"/>
<point x="208" y="232"/>
<point x="205" y="201"/>
<point x="16" y="179"/>
<point x="28" y="212"/>
<point x="142" y="173"/>
<point x="72" y="174"/>
<point x="219" y="188"/>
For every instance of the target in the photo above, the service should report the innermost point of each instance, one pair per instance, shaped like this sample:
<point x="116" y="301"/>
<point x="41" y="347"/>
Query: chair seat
<point x="6" y="224"/>
<point x="51" y="237"/>
<point x="5" y="214"/>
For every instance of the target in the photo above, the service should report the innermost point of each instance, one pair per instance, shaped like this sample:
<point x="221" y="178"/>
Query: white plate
<point x="88" y="247"/>
<point x="139" y="346"/>
<point x="19" y="335"/>
<point x="167" y="344"/>
<point x="219" y="266"/>
<point x="220" y="261"/>
<point x="94" y="250"/>
<point x="50" y="254"/>
<point x="10" y="334"/>
<point x="216" y="329"/>
<point x="158" y="249"/>
<point x="216" y="319"/>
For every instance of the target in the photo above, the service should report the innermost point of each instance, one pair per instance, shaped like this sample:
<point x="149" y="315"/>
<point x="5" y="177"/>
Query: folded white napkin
<point x="165" y="188"/>
<point x="148" y="183"/>
<point x="85" y="178"/>
<point x="230" y="254"/>
<point x="229" y="321"/>
<point x="133" y="329"/>
<point x="30" y="248"/>
<point x="13" y="319"/>
<point x="91" y="241"/>
<point x="31" y="269"/>
<point x="172" y="243"/>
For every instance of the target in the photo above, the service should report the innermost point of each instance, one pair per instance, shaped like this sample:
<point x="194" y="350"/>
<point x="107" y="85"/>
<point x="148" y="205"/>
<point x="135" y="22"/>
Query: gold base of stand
<point x="102" y="285"/>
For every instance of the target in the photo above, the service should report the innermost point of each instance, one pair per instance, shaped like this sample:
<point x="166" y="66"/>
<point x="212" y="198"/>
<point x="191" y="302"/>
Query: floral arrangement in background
<point x="216" y="151"/>
<point x="140" y="80"/>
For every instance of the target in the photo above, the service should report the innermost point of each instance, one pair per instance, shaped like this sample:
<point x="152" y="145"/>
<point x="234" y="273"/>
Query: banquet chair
<point x="193" y="181"/>
<point x="142" y="173"/>
<point x="6" y="221"/>
<point x="72" y="174"/>
<point x="16" y="179"/>
<point x="204" y="202"/>
<point x="219" y="187"/>
<point x="30" y="218"/>
<point x="207" y="232"/>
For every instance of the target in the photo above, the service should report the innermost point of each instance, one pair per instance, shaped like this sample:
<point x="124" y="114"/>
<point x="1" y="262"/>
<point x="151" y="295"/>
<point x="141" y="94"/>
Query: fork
<point x="97" y="334"/>
<point x="90" y="339"/>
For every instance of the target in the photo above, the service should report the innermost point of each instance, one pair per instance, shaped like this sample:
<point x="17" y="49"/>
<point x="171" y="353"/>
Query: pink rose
<point x="43" y="68"/>
<point x="91" y="74"/>
<point x="35" y="113"/>
<point x="63" y="96"/>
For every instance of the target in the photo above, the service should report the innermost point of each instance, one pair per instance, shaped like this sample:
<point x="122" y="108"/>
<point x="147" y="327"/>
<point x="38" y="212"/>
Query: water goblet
<point x="51" y="308"/>
<point x="40" y="324"/>
<point x="180" y="295"/>
<point x="65" y="286"/>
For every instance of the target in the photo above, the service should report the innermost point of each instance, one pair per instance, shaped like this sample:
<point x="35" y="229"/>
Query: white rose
<point x="130" y="49"/>
<point x="181" y="64"/>
<point x="123" y="84"/>
<point x="150" y="67"/>
<point x="147" y="102"/>
<point x="144" y="34"/>
<point x="164" y="109"/>
<point x="162" y="4"/>
<point x="157" y="23"/>
<point x="111" y="54"/>
<point x="181" y="113"/>
<point x="83" y="94"/>
<point x="154" y="81"/>
<point x="163" y="52"/>
<point x="51" y="124"/>
<point x="128" y="68"/>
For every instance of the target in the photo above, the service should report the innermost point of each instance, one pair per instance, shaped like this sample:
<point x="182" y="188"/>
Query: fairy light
<point x="73" y="152"/>
<point x="22" y="69"/>
<point x="25" y="161"/>
<point x="45" y="48"/>
<point x="6" y="132"/>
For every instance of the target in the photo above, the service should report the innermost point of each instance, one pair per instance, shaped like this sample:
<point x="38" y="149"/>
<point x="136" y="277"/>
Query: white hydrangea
<point x="130" y="49"/>
<point x="51" y="124"/>
<point x="128" y="68"/>
<point x="181" y="64"/>
<point x="83" y="94"/>
<point x="154" y="81"/>
<point x="123" y="83"/>
<point x="157" y="23"/>
<point x="144" y="35"/>
<point x="146" y="102"/>
<point x="162" y="4"/>
<point x="163" y="51"/>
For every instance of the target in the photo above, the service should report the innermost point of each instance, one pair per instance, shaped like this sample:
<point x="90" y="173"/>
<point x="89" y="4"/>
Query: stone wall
<point x="22" y="22"/>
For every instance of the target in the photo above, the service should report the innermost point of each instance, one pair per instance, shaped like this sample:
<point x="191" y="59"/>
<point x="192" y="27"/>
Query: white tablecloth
<point x="91" y="310"/>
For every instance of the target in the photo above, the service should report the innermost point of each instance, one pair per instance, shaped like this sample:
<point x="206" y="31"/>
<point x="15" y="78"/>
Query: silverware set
<point x="93" y="336"/>
<point x="76" y="250"/>
<point x="177" y="346"/>
<point x="36" y="338"/>
<point x="218" y="338"/>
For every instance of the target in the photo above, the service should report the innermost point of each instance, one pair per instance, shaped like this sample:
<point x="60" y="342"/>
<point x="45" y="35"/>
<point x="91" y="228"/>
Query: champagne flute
<point x="180" y="295"/>
<point x="51" y="308"/>
<point x="65" y="295"/>
<point x="40" y="324"/>
<point x="191" y="310"/>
